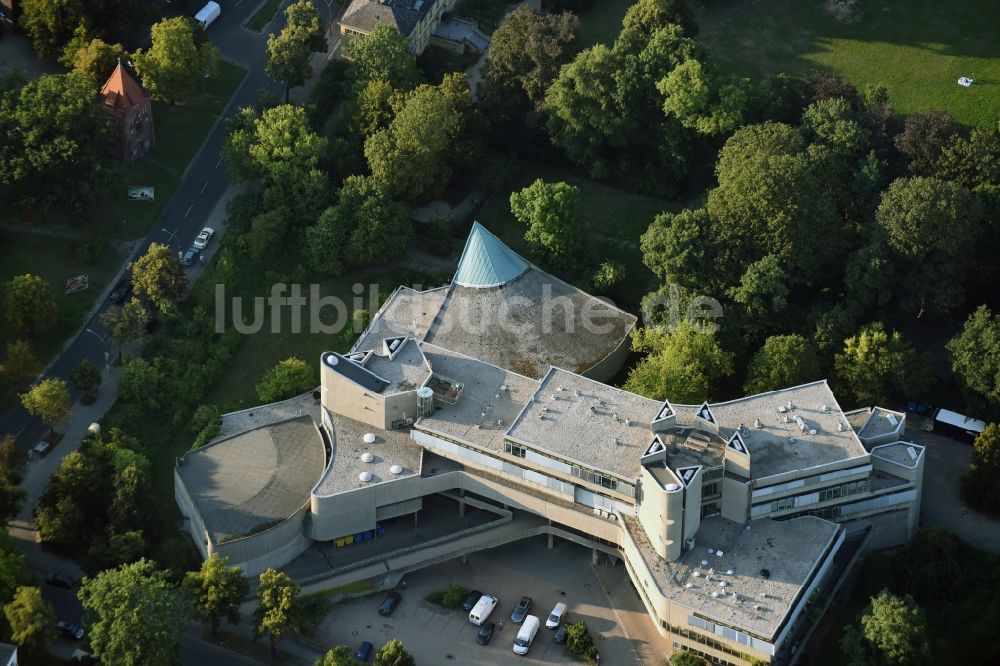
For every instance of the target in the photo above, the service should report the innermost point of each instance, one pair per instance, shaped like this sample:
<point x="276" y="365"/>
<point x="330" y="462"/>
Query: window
<point x="514" y="450"/>
<point x="710" y="490"/>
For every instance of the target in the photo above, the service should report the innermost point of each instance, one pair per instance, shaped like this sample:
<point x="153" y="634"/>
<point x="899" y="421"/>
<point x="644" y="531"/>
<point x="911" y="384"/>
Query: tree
<point x="31" y="618"/>
<point x="366" y="226"/>
<point x="783" y="361"/>
<point x="286" y="379"/>
<point x="393" y="654"/>
<point x="710" y="107"/>
<point x="280" y="149"/>
<point x="217" y="591"/>
<point x="178" y="58"/>
<point x="11" y="497"/>
<point x="893" y="631"/>
<point x="139" y="382"/>
<point x="834" y="123"/>
<point x="132" y="494"/>
<point x="681" y="365"/>
<point x="383" y="55"/>
<point x="686" y="659"/>
<point x="126" y="323"/>
<point x="551" y="212"/>
<point x="525" y="55"/>
<point x="933" y="225"/>
<point x="48" y="400"/>
<point x="289" y="53"/>
<point x="674" y="248"/>
<point x="31" y="306"/>
<point x="924" y="135"/>
<point x="55" y="157"/>
<point x="608" y="274"/>
<point x="975" y="354"/>
<point x="412" y="155"/>
<point x="774" y="198"/>
<point x="338" y="656"/>
<point x="97" y="59"/>
<point x="646" y="16"/>
<point x="580" y="643"/>
<point x="762" y="292"/>
<point x="971" y="161"/>
<point x="979" y="481"/>
<point x="50" y="23"/>
<point x="134" y="615"/>
<point x="159" y="276"/>
<point x="86" y="377"/>
<point x="20" y="365"/>
<point x="13" y="569"/>
<point x="277" y="596"/>
<point x="876" y="365"/>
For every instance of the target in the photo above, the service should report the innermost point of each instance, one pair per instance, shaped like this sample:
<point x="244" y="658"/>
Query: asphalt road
<point x="203" y="184"/>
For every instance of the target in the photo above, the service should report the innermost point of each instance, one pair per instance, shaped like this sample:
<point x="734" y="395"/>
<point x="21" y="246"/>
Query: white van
<point x="206" y="15"/>
<point x="556" y="616"/>
<point x="482" y="609"/>
<point x="526" y="634"/>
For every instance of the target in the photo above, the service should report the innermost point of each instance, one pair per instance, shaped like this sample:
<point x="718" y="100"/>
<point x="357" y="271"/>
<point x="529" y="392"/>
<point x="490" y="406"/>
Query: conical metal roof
<point x="486" y="261"/>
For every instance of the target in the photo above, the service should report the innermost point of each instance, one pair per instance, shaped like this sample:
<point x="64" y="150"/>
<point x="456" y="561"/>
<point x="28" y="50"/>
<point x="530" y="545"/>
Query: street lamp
<point x="172" y="236"/>
<point x="107" y="354"/>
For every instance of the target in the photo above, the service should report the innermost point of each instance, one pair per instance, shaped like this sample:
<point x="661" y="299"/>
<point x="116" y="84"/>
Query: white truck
<point x="482" y="609"/>
<point x="206" y="15"/>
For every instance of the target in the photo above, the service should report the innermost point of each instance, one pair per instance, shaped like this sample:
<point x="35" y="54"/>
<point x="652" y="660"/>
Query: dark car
<point x="61" y="580"/>
<point x="389" y="604"/>
<point x="471" y="600"/>
<point x="560" y="635"/>
<point x="485" y="633"/>
<point x="521" y="610"/>
<point x="363" y="652"/>
<point x="70" y="630"/>
<point x="190" y="257"/>
<point x="122" y="290"/>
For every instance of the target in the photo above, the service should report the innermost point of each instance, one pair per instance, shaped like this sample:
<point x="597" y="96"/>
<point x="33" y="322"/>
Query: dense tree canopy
<point x="286" y="379"/>
<point x="92" y="56"/>
<point x="393" y="654"/>
<point x="893" y="631"/>
<point x="682" y="365"/>
<point x="876" y="365"/>
<point x="975" y="354"/>
<point x="177" y="60"/>
<point x="551" y="211"/>
<point x="31" y="305"/>
<point x="783" y="361"/>
<point x="50" y="23"/>
<point x="289" y="53"/>
<point x="126" y="323"/>
<point x="134" y="616"/>
<point x="31" y="618"/>
<point x="365" y="226"/>
<point x="20" y="364"/>
<point x="51" y="150"/>
<point x="159" y="276"/>
<point x="338" y="656"/>
<point x="924" y="135"/>
<point x="217" y="591"/>
<point x="48" y="400"/>
<point x="979" y="482"/>
<point x="383" y="55"/>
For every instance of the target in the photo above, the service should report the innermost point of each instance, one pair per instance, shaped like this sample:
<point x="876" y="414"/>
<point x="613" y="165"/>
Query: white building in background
<point x="729" y="516"/>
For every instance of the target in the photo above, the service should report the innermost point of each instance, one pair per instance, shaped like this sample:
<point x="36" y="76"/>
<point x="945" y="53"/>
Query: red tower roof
<point x="121" y="91"/>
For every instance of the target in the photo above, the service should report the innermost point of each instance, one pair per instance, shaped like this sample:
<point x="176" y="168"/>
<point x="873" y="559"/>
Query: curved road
<point x="202" y="185"/>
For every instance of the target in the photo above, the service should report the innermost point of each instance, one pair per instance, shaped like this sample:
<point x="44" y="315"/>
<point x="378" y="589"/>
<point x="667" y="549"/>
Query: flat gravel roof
<point x="254" y="478"/>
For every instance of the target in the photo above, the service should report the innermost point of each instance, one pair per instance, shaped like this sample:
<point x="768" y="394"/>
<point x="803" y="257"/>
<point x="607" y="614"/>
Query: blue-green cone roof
<point x="486" y="261"/>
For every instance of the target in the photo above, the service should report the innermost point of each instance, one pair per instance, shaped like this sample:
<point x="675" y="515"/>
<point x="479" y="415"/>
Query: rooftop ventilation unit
<point x="756" y="423"/>
<point x="892" y="420"/>
<point x="365" y="477"/>
<point x="367" y="457"/>
<point x="425" y="401"/>
<point x="801" y="423"/>
<point x="671" y="487"/>
<point x="812" y="431"/>
<point x="825" y="408"/>
<point x="503" y="387"/>
<point x="396" y="469"/>
<point x="369" y="438"/>
<point x="840" y="427"/>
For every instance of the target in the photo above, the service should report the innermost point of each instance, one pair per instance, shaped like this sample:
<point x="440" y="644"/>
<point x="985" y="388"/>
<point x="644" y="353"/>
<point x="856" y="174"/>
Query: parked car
<point x="560" y="635"/>
<point x="521" y="610"/>
<point x="526" y="635"/>
<point x="485" y="633"/>
<point x="471" y="600"/>
<point x="557" y="616"/>
<point x="389" y="604"/>
<point x="70" y="630"/>
<point x="190" y="256"/>
<point x="363" y="652"/>
<point x="122" y="290"/>
<point x="57" y="579"/>
<point x="201" y="242"/>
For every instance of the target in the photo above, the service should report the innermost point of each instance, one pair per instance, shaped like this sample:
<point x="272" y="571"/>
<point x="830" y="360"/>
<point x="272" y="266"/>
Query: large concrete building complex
<point x="729" y="517"/>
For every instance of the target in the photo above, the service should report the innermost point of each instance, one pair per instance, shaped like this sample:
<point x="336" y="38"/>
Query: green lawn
<point x="917" y="48"/>
<point x="613" y="220"/>
<point x="602" y="22"/>
<point x="263" y="16"/>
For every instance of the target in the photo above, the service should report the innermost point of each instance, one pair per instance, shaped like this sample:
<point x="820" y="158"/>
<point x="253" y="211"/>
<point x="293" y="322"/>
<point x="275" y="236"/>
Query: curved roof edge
<point x="486" y="261"/>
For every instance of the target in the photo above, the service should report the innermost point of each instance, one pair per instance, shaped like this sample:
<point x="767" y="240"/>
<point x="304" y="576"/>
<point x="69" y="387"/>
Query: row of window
<point x="836" y="492"/>
<point x="591" y="476"/>
<point x="515" y="450"/>
<point x="704" y="640"/>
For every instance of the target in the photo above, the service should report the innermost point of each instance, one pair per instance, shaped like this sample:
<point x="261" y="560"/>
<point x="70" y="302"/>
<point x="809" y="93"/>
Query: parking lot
<point x="438" y="636"/>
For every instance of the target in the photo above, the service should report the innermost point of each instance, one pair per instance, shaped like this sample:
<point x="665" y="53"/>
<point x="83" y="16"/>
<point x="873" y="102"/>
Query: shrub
<point x="86" y="377"/>
<point x="451" y="597"/>
<point x="608" y="275"/>
<point x="579" y="643"/>
<point x="286" y="379"/>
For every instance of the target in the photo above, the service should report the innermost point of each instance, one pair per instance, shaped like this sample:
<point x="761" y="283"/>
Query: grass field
<point x="263" y="16"/>
<point x="602" y="22"/>
<point x="917" y="48"/>
<point x="612" y="219"/>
